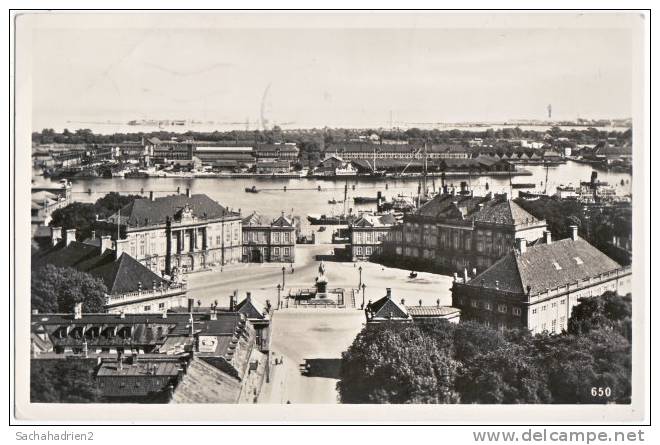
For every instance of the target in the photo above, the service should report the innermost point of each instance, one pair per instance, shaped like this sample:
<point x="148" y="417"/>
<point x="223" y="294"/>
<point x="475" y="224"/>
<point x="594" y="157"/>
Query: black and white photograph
<point x="303" y="208"/>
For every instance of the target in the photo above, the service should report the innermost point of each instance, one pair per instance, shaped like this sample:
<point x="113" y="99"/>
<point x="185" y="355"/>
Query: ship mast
<point x="545" y="190"/>
<point x="424" y="185"/>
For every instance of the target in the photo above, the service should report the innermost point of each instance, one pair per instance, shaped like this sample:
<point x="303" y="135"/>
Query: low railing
<point x="139" y="295"/>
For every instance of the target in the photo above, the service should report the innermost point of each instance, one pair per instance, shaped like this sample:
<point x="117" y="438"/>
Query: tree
<point x="79" y="216"/>
<point x="58" y="289"/>
<point x="113" y="201"/>
<point x="396" y="363"/>
<point x="63" y="381"/>
<point x="609" y="311"/>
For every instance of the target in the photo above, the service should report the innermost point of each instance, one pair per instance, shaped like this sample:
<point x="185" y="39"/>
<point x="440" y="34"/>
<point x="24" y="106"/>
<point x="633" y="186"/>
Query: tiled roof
<point x="374" y="220"/>
<point x="546" y="266"/>
<point x="119" y="275"/>
<point x="255" y="219"/>
<point x="282" y="221"/>
<point x="146" y="211"/>
<point x="504" y="212"/>
<point x="431" y="311"/>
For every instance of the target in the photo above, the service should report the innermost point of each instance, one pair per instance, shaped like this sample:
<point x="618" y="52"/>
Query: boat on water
<point x="523" y="185"/>
<point x="531" y="196"/>
<point x="334" y="201"/>
<point x="252" y="189"/>
<point x="364" y="200"/>
<point x="329" y="220"/>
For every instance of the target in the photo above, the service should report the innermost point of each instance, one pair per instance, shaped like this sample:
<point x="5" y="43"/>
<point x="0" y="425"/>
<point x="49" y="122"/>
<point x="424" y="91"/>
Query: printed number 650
<point x="601" y="392"/>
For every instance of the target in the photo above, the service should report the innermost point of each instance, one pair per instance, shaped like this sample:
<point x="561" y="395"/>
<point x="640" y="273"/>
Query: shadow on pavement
<point x="321" y="367"/>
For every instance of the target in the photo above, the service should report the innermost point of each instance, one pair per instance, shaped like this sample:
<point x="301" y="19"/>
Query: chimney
<point x="437" y="302"/>
<point x="232" y="301"/>
<point x="122" y="315"/>
<point x="521" y="244"/>
<point x="191" y="304"/>
<point x="465" y="274"/>
<point x="106" y="243"/>
<point x="188" y="194"/>
<point x="388" y="293"/>
<point x="420" y="302"/>
<point x="574" y="232"/>
<point x="214" y="314"/>
<point x="403" y="301"/>
<point x="151" y="195"/>
<point x="55" y="235"/>
<point x="120" y="247"/>
<point x="497" y="284"/>
<point x="548" y="237"/>
<point x="77" y="311"/>
<point x="474" y="271"/>
<point x="93" y="234"/>
<point x="69" y="236"/>
<point x="248" y="296"/>
<point x="165" y="314"/>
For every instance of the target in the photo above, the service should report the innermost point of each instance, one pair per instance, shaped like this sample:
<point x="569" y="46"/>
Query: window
<point x="285" y="237"/>
<point x="554" y="325"/>
<point x="501" y="308"/>
<point x="474" y="303"/>
<point x="556" y="264"/>
<point x="487" y="323"/>
<point x="516" y="311"/>
<point x="358" y="250"/>
<point x="563" y="301"/>
<point x="554" y="304"/>
<point x="367" y="250"/>
<point x="218" y="240"/>
<point x="488" y="306"/>
<point x="276" y="251"/>
<point x="562" y="323"/>
<point x="533" y="311"/>
<point x="544" y="307"/>
<point x="161" y="305"/>
<point x="286" y="251"/>
<point x="147" y="308"/>
<point x="276" y="237"/>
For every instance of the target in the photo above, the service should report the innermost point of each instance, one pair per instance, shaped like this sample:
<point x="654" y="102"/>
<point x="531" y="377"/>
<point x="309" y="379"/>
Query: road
<point x="262" y="280"/>
<point x="314" y="336"/>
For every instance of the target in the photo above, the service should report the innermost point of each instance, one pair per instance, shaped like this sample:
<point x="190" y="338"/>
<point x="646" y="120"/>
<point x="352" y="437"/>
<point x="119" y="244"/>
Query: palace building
<point x="176" y="233"/>
<point x="536" y="287"/>
<point x="457" y="230"/>
<point x="267" y="240"/>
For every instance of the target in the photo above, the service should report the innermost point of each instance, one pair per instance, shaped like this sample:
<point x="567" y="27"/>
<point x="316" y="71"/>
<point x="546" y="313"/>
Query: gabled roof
<point x="254" y="219"/>
<point x="282" y="221"/>
<point x="374" y="220"/>
<point x="386" y="307"/>
<point x="247" y="308"/>
<point x="147" y="212"/>
<point x="119" y="275"/>
<point x="545" y="266"/>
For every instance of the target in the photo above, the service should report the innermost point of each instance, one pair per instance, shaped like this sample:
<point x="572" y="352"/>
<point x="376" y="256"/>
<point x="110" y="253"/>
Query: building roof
<point x="257" y="220"/>
<point x="282" y="221"/>
<point x="366" y="220"/>
<point x="282" y="148"/>
<point x="545" y="266"/>
<point x="386" y="307"/>
<point x="248" y="308"/>
<point x="120" y="275"/>
<point x="432" y="311"/>
<point x="148" y="212"/>
<point x="504" y="212"/>
<point x="223" y="149"/>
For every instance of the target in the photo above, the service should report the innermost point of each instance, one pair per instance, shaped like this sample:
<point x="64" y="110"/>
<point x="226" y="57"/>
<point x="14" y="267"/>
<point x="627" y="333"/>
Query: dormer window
<point x="557" y="266"/>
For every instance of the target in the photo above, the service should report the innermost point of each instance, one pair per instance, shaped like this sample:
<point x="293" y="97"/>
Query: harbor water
<point x="303" y="197"/>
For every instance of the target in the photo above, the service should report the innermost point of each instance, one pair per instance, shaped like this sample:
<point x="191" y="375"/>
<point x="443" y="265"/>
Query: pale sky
<point x="333" y="76"/>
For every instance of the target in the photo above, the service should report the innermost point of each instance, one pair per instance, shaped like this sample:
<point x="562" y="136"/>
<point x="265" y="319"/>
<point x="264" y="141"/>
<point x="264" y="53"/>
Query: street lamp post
<point x="363" y="287"/>
<point x="279" y="289"/>
<point x="283" y="272"/>
<point x="360" y="284"/>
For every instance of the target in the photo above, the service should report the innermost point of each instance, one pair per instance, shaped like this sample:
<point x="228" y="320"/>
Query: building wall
<point x="367" y="241"/>
<point x="273" y="244"/>
<point x="149" y="244"/>
<point x="539" y="313"/>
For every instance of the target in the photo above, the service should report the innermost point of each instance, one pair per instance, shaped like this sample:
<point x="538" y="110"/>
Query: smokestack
<point x="548" y="237"/>
<point x="574" y="232"/>
<point x="188" y="193"/>
<point x="55" y="235"/>
<point x="248" y="296"/>
<point x="214" y="314"/>
<point x="232" y="301"/>
<point x="151" y="195"/>
<point x="191" y="304"/>
<point x="522" y="245"/>
<point x="77" y="311"/>
<point x="388" y="293"/>
<point x="69" y="236"/>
